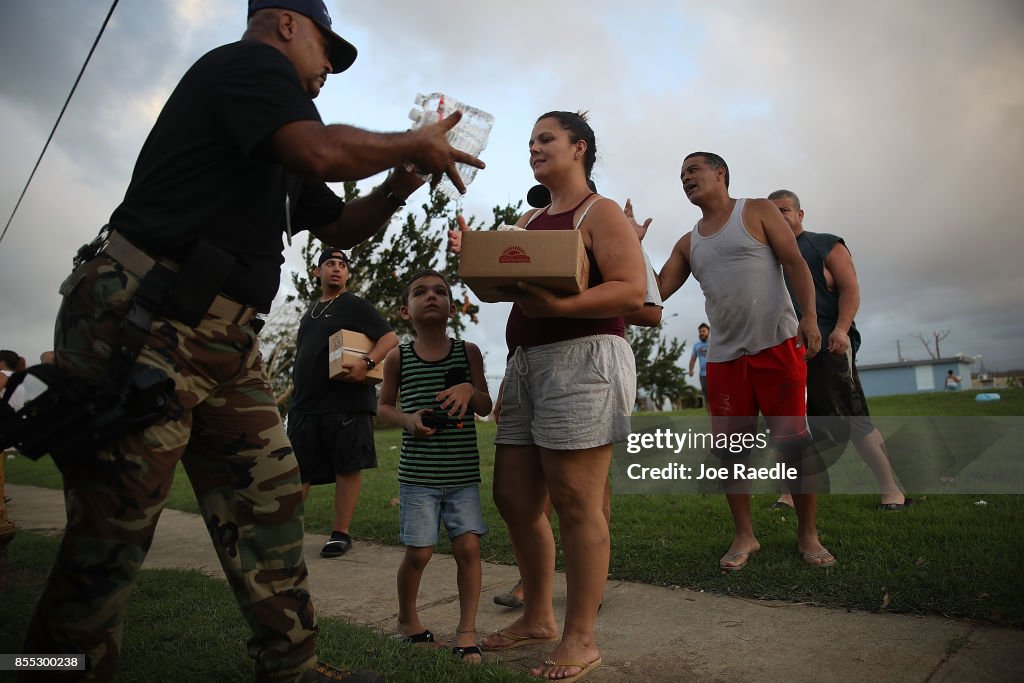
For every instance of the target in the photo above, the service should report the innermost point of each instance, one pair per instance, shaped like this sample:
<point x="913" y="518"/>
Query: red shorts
<point x="772" y="382"/>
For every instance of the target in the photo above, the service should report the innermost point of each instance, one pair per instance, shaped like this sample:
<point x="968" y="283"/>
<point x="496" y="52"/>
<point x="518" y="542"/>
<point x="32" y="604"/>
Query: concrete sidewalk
<point x="646" y="633"/>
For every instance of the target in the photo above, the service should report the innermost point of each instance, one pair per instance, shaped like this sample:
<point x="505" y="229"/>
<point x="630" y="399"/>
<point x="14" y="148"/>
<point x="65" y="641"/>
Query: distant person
<point x="330" y="421"/>
<point x="833" y="384"/>
<point x="437" y="380"/>
<point x="10" y="363"/>
<point x="952" y="381"/>
<point x="699" y="353"/>
<point x="46" y="358"/>
<point x="757" y="363"/>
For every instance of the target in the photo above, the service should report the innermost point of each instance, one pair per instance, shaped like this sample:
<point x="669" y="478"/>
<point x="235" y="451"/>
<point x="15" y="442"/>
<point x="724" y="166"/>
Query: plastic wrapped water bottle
<point x="469" y="135"/>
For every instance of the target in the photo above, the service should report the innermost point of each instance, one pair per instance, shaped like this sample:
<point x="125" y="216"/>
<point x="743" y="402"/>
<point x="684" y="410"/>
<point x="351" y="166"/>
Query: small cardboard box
<point x="346" y="346"/>
<point x="492" y="261"/>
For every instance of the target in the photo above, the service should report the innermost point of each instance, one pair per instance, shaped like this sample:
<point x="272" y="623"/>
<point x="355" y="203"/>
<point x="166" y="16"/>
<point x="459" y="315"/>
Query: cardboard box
<point x="492" y="261"/>
<point x="346" y="346"/>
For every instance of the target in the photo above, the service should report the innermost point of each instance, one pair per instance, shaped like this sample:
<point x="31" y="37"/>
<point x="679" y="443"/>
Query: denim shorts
<point x="423" y="508"/>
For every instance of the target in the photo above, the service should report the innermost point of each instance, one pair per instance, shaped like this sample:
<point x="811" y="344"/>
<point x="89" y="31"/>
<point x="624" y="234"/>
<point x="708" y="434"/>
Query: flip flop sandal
<point x="891" y="507"/>
<point x="584" y="669"/>
<point x="824" y="559"/>
<point x="461" y="652"/>
<point x="416" y="638"/>
<point x="516" y="640"/>
<point x="336" y="547"/>
<point x="510" y="599"/>
<point x="732" y="557"/>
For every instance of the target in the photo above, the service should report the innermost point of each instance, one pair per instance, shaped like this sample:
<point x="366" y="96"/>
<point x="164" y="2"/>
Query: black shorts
<point x="834" y="392"/>
<point x="330" y="444"/>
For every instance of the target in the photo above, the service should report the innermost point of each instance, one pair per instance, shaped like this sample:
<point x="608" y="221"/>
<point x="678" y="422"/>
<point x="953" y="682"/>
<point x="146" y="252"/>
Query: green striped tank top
<point x="449" y="457"/>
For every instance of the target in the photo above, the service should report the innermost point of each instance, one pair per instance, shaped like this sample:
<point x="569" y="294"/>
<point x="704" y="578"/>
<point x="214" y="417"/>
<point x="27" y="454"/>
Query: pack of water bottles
<point x="469" y="135"/>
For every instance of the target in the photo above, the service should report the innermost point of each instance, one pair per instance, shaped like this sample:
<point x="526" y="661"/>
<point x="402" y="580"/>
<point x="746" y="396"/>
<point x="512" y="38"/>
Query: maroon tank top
<point x="524" y="331"/>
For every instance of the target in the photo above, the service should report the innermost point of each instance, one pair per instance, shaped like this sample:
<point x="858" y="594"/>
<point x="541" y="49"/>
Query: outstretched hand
<point x="455" y="236"/>
<point x="641" y="230"/>
<point x="436" y="155"/>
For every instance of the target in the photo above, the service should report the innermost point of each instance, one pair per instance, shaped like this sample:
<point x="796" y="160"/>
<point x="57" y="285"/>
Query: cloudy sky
<point x="900" y="125"/>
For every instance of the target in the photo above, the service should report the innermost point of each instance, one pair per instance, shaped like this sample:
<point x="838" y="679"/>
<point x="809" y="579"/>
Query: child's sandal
<point x="462" y="652"/>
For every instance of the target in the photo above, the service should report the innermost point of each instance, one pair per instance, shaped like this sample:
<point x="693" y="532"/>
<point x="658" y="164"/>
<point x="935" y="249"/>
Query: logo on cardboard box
<point x="514" y="254"/>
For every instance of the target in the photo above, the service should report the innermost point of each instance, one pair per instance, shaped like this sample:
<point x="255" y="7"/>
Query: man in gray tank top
<point x="738" y="252"/>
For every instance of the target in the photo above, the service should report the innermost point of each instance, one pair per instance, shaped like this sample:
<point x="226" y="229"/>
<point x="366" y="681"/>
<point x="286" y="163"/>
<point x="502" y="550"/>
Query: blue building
<point x="912" y="376"/>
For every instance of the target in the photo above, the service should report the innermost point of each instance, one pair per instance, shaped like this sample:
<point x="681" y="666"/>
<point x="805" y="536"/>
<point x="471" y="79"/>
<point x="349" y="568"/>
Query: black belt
<point x="138" y="263"/>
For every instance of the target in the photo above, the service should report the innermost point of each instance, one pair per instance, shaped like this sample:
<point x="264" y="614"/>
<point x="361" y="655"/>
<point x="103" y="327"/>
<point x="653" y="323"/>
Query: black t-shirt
<point x="313" y="391"/>
<point x="207" y="171"/>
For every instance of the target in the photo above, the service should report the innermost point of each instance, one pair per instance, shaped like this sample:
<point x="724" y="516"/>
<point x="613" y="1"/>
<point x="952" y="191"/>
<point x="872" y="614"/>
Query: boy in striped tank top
<point x="438" y="380"/>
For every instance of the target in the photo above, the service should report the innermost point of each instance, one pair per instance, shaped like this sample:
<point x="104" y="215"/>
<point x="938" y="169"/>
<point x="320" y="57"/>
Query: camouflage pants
<point x="227" y="432"/>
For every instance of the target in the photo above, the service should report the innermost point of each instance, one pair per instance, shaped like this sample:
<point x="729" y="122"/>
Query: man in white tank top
<point x="756" y="361"/>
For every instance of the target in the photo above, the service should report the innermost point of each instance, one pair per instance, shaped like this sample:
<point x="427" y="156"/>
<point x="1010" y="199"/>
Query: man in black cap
<point x="235" y="164"/>
<point x="330" y="422"/>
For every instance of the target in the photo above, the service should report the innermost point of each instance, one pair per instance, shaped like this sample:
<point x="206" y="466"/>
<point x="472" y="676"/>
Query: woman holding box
<point x="568" y="390"/>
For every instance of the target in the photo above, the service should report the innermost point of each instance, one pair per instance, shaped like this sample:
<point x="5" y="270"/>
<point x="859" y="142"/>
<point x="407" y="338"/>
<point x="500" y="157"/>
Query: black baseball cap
<point x="330" y="252"/>
<point x="343" y="53"/>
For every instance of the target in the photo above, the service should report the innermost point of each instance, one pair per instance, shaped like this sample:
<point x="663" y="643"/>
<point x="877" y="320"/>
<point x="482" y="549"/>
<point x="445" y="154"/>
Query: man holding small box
<point x="330" y="422"/>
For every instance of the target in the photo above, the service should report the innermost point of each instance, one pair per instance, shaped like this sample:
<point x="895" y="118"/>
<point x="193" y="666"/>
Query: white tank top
<point x="746" y="301"/>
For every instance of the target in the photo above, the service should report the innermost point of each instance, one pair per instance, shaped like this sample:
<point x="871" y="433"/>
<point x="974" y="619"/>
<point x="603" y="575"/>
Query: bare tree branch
<point x="937" y="337"/>
<point x="927" y="344"/>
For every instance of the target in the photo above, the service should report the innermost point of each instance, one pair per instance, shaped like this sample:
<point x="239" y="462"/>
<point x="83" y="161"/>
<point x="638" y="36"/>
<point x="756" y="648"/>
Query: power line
<point x="59" y="117"/>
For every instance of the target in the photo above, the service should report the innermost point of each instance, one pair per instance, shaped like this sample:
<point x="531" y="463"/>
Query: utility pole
<point x="899" y="351"/>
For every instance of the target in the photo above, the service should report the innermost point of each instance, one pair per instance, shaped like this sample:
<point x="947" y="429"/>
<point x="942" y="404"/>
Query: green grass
<point x="157" y="648"/>
<point x="944" y="555"/>
<point x="941" y="403"/>
<point x="951" y="403"/>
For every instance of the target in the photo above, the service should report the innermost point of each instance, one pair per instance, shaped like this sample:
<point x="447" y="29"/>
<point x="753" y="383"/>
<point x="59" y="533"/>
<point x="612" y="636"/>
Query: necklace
<point x="314" y="315"/>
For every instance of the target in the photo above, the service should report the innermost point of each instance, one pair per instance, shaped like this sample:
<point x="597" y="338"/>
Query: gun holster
<point x="183" y="294"/>
<point x="72" y="418"/>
